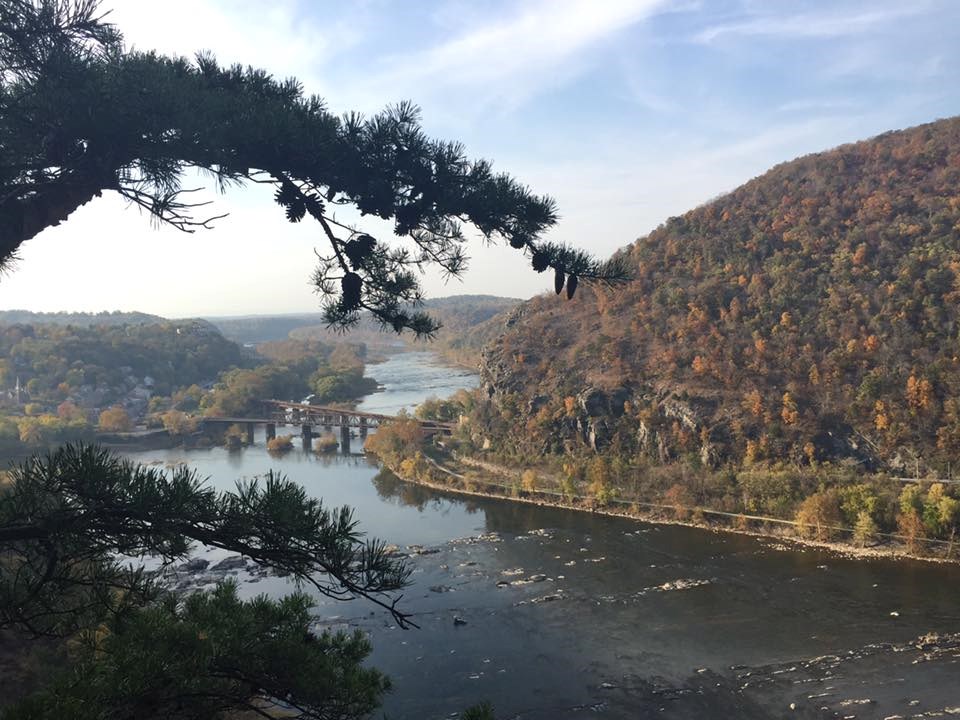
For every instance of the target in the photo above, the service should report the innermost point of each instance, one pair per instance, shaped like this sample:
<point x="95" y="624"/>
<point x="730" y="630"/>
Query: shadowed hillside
<point x="465" y="325"/>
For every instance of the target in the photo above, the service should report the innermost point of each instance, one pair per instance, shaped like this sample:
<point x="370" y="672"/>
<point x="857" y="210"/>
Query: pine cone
<point x="540" y="261"/>
<point x="351" y="285"/>
<point x="358" y="250"/>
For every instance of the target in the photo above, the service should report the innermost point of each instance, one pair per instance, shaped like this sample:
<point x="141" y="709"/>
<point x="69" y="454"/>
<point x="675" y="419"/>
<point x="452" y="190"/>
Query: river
<point x="571" y="615"/>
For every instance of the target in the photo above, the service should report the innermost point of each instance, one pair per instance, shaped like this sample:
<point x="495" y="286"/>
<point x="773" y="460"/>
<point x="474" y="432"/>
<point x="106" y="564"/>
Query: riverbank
<point x="565" y="615"/>
<point x="459" y="474"/>
<point x="139" y="440"/>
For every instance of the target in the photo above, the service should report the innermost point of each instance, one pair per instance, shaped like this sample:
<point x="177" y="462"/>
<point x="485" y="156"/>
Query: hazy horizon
<point x="236" y="316"/>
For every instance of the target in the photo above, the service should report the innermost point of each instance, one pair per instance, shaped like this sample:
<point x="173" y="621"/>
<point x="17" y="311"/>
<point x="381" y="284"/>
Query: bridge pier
<point x="271" y="431"/>
<point x="250" y="427"/>
<point x="306" y="433"/>
<point x="345" y="439"/>
<point x="313" y="416"/>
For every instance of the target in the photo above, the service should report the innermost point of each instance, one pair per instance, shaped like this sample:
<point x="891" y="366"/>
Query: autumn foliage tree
<point x="114" y="419"/>
<point x="819" y="515"/>
<point x="397" y="440"/>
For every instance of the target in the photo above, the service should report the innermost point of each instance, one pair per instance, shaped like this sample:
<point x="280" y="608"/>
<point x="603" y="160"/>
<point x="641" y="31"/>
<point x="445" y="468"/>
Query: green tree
<point x="855" y="500"/>
<point x="341" y="385"/>
<point x="448" y="410"/>
<point x="216" y="655"/>
<point x="865" y="530"/>
<point x="940" y="511"/>
<point x="80" y="116"/>
<point x="142" y="652"/>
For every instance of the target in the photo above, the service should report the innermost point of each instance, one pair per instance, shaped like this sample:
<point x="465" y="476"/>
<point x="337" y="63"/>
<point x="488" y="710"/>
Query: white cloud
<point x="806" y="105"/>
<point x="508" y="60"/>
<point x="276" y="36"/>
<point x="811" y="25"/>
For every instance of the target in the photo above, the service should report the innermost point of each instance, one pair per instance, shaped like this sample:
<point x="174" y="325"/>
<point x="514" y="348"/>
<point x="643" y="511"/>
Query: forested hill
<point x="468" y="323"/>
<point x="463" y="320"/>
<point x="256" y="329"/>
<point x="79" y="319"/>
<point x="53" y="362"/>
<point x="810" y="314"/>
<point x="458" y="312"/>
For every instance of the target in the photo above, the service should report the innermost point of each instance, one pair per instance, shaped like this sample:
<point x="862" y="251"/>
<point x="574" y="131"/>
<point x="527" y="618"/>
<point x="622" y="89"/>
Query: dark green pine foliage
<point x="212" y="655"/>
<point x="79" y="116"/>
<point x="66" y="516"/>
<point x="138" y="652"/>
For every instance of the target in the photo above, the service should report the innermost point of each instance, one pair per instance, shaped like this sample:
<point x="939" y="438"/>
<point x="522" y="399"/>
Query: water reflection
<point x="392" y="489"/>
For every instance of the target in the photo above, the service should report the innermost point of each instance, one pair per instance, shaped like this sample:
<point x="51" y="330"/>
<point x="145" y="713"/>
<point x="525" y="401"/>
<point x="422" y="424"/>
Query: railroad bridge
<point x="308" y="417"/>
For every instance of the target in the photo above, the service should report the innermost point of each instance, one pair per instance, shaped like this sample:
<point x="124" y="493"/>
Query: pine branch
<point x="89" y="505"/>
<point x="103" y="120"/>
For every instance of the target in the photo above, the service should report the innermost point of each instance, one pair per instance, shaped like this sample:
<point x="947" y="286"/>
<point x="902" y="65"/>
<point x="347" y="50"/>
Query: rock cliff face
<point x="809" y="315"/>
<point x="594" y="411"/>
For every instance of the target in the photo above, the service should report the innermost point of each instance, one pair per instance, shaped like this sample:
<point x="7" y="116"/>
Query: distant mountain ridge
<point x="461" y="317"/>
<point x="809" y="315"/>
<point x="253" y="329"/>
<point x="456" y="313"/>
<point x="81" y="319"/>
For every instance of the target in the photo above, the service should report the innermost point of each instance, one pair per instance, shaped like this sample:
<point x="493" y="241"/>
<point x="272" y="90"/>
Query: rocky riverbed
<point x="531" y="621"/>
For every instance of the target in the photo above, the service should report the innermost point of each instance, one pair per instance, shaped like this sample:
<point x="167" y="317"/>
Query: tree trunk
<point x="21" y="220"/>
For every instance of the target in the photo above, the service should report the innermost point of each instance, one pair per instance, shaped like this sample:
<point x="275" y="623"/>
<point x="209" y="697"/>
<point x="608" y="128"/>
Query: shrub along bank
<point x="875" y="513"/>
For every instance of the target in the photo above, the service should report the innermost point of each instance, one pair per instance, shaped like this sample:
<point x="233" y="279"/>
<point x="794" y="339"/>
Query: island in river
<point x="552" y="613"/>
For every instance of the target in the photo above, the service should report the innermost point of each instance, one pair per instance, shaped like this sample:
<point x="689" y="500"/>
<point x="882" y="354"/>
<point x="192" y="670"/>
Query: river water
<point x="571" y="615"/>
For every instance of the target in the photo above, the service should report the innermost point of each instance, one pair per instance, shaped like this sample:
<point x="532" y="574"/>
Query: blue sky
<point x="626" y="111"/>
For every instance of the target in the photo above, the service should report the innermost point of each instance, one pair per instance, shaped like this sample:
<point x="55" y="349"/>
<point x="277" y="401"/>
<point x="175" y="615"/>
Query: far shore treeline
<point x="68" y="376"/>
<point x="62" y="383"/>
